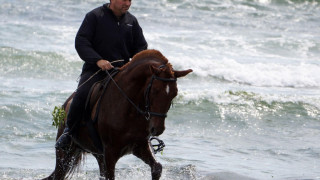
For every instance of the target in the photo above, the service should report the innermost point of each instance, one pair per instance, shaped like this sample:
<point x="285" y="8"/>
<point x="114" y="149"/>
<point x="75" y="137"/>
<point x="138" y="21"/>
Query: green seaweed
<point x="58" y="115"/>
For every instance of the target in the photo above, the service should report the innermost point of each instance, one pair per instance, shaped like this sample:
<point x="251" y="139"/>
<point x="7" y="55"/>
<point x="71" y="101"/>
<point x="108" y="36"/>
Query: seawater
<point x="250" y="109"/>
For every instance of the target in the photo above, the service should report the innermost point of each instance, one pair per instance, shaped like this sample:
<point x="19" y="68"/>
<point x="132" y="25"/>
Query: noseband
<point x="147" y="113"/>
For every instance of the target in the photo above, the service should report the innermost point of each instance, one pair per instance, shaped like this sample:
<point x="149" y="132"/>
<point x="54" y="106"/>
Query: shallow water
<point x="250" y="109"/>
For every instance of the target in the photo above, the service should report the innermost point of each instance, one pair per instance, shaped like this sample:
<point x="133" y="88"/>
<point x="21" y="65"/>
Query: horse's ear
<point x="155" y="70"/>
<point x="178" y="74"/>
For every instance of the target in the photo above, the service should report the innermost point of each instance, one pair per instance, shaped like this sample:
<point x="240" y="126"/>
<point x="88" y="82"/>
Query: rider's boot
<point x="64" y="140"/>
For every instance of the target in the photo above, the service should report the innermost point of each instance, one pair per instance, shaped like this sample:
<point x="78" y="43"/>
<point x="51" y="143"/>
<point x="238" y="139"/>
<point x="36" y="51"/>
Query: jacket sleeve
<point x="139" y="42"/>
<point x="84" y="39"/>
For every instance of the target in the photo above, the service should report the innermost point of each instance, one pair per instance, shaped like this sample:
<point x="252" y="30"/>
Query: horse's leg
<point x="111" y="156"/>
<point x="64" y="162"/>
<point x="145" y="153"/>
<point x="61" y="168"/>
<point x="102" y="167"/>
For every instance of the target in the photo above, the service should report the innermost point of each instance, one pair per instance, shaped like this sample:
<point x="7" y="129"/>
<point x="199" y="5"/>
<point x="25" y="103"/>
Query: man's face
<point x="120" y="7"/>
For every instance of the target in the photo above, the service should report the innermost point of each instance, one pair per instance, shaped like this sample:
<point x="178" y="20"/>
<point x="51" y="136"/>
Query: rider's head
<point x="119" y="7"/>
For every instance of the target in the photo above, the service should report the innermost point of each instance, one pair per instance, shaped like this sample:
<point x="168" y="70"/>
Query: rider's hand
<point x="104" y="64"/>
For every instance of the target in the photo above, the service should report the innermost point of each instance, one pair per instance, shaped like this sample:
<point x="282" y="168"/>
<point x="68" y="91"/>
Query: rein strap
<point x="147" y="113"/>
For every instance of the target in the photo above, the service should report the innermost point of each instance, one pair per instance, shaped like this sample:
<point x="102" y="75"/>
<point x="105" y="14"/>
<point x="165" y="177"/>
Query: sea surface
<point x="250" y="109"/>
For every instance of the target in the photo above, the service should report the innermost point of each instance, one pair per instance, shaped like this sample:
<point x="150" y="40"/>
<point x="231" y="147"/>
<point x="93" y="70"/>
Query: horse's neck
<point x="138" y="72"/>
<point x="134" y="77"/>
<point x="134" y="80"/>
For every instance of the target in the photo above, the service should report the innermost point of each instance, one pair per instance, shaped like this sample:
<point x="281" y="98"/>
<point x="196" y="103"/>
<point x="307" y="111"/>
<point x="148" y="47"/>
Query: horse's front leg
<point x="102" y="168"/>
<point x="145" y="153"/>
<point x="111" y="156"/>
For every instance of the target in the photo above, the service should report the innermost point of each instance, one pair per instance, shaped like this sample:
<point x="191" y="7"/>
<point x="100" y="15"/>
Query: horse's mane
<point x="150" y="54"/>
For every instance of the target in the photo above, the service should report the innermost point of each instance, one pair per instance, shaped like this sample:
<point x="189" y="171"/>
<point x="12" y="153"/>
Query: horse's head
<point x="160" y="91"/>
<point x="155" y="85"/>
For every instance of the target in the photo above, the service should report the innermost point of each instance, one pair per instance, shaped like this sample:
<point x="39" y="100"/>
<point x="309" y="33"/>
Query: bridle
<point x="147" y="99"/>
<point x="147" y="113"/>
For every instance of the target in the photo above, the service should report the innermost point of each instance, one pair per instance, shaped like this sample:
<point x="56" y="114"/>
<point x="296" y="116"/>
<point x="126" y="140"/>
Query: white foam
<point x="257" y="74"/>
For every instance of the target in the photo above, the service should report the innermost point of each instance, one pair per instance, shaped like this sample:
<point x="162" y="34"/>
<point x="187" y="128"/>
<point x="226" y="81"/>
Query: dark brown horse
<point x="132" y="109"/>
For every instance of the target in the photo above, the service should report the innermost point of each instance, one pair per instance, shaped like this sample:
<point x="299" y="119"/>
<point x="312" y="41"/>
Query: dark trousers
<point x="77" y="108"/>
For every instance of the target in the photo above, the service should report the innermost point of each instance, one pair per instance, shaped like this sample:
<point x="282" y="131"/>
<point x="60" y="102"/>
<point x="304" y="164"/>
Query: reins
<point x="147" y="113"/>
<point x="120" y="60"/>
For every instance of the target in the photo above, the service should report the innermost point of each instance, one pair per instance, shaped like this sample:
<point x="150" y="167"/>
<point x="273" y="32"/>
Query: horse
<point x="132" y="109"/>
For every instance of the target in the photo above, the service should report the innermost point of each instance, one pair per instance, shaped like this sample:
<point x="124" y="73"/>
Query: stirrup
<point x="157" y="147"/>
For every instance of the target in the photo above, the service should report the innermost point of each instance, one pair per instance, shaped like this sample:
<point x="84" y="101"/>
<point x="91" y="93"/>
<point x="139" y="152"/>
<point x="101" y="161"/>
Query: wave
<point x="36" y="64"/>
<point x="288" y="2"/>
<point x="296" y="75"/>
<point x="208" y="5"/>
<point x="250" y="103"/>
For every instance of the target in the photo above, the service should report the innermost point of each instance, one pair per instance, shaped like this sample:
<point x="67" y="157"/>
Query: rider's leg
<point x="74" y="114"/>
<point x="77" y="109"/>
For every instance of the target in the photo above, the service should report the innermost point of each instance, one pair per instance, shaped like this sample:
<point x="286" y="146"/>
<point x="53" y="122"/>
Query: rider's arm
<point x="84" y="39"/>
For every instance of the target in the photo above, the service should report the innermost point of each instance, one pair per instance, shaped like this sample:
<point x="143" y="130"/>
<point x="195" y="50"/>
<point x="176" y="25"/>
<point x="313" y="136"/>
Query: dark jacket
<point x="103" y="36"/>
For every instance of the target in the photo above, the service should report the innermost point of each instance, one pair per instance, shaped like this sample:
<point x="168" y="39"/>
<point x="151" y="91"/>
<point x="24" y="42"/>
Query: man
<point x="107" y="33"/>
